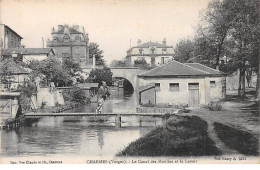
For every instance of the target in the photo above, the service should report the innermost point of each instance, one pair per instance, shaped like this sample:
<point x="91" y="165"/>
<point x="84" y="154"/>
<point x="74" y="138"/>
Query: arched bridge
<point x="129" y="73"/>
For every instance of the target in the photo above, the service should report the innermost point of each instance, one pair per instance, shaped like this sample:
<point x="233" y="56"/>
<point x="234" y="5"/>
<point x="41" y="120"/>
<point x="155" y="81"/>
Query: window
<point x="78" y="38"/>
<point x="6" y="86"/>
<point x="141" y="51"/>
<point x="193" y="86"/>
<point x="152" y="50"/>
<point x="66" y="38"/>
<point x="212" y="83"/>
<point x="157" y="87"/>
<point x="174" y="86"/>
<point x="162" y="60"/>
<point x="55" y="38"/>
<point x="164" y="51"/>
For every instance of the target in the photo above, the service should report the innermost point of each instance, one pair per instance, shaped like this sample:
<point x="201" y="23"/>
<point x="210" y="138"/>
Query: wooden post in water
<point x="118" y="121"/>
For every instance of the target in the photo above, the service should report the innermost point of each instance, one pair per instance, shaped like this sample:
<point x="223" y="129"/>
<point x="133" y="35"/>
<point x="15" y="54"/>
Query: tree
<point x="95" y="51"/>
<point x="214" y="26"/>
<point x="101" y="74"/>
<point x="230" y="27"/>
<point x="184" y="50"/>
<point x="52" y="69"/>
<point x="140" y="63"/>
<point x="71" y="66"/>
<point x="118" y="63"/>
<point x="245" y="34"/>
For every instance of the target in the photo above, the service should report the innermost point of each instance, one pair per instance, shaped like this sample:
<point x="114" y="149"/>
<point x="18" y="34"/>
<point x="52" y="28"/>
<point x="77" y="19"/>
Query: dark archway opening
<point x="123" y="83"/>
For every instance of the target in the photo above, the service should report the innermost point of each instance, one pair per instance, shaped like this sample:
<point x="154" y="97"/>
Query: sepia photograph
<point x="129" y="81"/>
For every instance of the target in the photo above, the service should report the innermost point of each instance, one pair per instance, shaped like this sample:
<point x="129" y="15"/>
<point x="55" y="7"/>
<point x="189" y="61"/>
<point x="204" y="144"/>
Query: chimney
<point x="139" y="42"/>
<point x="66" y="30"/>
<point x="60" y="27"/>
<point x="164" y="41"/>
<point x="53" y="30"/>
<point x="75" y="27"/>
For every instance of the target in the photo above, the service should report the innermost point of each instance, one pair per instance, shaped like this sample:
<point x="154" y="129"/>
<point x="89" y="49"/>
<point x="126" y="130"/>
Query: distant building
<point x="27" y="54"/>
<point x="70" y="42"/>
<point x="179" y="83"/>
<point x="153" y="53"/>
<point x="9" y="38"/>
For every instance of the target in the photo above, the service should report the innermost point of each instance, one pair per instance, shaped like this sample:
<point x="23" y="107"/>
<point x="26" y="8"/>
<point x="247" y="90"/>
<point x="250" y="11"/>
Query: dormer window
<point x="77" y="38"/>
<point x="55" y="38"/>
<point x="66" y="38"/>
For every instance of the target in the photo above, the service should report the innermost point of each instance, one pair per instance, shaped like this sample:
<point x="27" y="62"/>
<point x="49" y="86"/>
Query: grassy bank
<point x="242" y="141"/>
<point x="180" y="136"/>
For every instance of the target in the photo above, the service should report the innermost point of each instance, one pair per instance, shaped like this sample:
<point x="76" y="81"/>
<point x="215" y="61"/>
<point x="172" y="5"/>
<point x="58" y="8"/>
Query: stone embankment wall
<point x="49" y="96"/>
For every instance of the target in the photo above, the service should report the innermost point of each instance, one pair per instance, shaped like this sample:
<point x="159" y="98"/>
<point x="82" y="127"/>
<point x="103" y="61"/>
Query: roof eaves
<point x="13" y="31"/>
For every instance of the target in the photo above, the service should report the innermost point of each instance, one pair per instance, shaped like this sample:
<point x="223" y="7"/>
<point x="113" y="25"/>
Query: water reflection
<point x="118" y="102"/>
<point x="80" y="136"/>
<point x="53" y="136"/>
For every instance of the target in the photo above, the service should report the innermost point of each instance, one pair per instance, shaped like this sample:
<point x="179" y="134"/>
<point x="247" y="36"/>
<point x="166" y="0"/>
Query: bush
<point x="180" y="136"/>
<point x="75" y="95"/>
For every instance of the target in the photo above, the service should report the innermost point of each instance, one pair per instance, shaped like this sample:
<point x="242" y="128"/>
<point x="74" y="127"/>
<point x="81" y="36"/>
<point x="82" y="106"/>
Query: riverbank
<point x="179" y="136"/>
<point x="62" y="108"/>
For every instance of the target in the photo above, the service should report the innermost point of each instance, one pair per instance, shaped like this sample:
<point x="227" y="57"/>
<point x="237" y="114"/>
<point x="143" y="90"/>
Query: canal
<point x="80" y="136"/>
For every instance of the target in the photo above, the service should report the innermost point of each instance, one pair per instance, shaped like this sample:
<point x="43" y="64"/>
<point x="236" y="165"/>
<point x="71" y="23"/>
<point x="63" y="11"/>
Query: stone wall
<point x="49" y="97"/>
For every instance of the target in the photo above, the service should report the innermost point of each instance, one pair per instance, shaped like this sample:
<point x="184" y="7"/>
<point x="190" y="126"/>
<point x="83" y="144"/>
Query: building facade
<point x="177" y="83"/>
<point x="9" y="38"/>
<point x="27" y="54"/>
<point x="153" y="53"/>
<point x="12" y="75"/>
<point x="70" y="42"/>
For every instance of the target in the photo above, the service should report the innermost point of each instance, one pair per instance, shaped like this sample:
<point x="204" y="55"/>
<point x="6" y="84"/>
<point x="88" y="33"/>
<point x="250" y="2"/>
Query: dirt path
<point x="219" y="144"/>
<point x="232" y="115"/>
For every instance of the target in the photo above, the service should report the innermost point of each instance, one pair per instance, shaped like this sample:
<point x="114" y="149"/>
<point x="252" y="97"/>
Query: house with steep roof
<point x="28" y="54"/>
<point x="184" y="83"/>
<point x="9" y="38"/>
<point x="153" y="53"/>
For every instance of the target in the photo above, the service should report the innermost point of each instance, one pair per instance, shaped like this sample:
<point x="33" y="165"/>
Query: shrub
<point x="181" y="136"/>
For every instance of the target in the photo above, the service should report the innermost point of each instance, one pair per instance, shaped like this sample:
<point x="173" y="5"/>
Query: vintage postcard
<point x="129" y="81"/>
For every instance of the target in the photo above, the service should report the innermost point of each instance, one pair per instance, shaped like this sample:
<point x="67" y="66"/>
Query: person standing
<point x="103" y="92"/>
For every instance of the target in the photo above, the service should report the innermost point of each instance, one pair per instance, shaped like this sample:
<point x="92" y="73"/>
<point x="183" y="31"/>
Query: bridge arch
<point x="128" y="73"/>
<point x="123" y="82"/>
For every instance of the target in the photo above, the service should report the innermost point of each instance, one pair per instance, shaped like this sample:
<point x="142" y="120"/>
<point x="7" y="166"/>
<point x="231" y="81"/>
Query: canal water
<point x="80" y="136"/>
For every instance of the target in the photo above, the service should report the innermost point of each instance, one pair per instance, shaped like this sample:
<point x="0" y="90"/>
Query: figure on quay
<point x="103" y="93"/>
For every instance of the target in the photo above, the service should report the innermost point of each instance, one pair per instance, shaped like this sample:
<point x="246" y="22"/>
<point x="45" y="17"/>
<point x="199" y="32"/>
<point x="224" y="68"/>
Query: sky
<point x="114" y="24"/>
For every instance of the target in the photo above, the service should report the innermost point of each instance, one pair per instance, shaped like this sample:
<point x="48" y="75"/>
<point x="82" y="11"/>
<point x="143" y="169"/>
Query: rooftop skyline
<point x="113" y="24"/>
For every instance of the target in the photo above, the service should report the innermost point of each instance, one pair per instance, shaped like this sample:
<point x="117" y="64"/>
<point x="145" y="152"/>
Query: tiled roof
<point x="148" y="44"/>
<point x="177" y="69"/>
<point x="203" y="67"/>
<point x="12" y="68"/>
<point x="27" y="51"/>
<point x="71" y="30"/>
